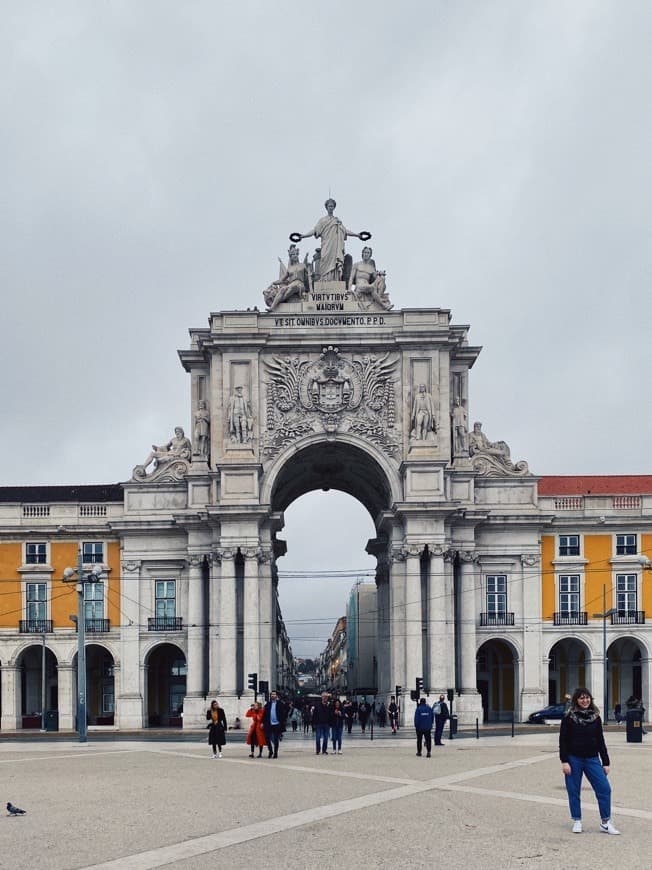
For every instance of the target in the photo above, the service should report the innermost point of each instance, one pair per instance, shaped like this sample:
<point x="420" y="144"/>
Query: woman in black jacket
<point x="582" y="750"/>
<point x="216" y="728"/>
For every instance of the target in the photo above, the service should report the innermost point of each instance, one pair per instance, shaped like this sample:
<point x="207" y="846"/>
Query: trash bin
<point x="453" y="725"/>
<point x="52" y="720"/>
<point x="634" y="725"/>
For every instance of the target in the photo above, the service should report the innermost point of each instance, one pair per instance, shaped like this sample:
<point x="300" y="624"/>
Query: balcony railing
<point x="571" y="617"/>
<point x="165" y="623"/>
<point x="496" y="619"/>
<point x="35" y="626"/>
<point x="628" y="617"/>
<point x="95" y="626"/>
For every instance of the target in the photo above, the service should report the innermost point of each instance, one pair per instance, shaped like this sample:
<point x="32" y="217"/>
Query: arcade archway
<point x="29" y="664"/>
<point x="166" y="670"/>
<point x="497" y="671"/>
<point x="567" y="668"/>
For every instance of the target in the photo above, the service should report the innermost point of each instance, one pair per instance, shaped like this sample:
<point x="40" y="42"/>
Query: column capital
<point x="529" y="560"/>
<point x="437" y="549"/>
<point x="130" y="565"/>
<point x="195" y="560"/>
<point x="468" y="556"/>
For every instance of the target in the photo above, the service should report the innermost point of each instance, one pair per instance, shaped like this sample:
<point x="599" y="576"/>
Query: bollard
<point x="477" y="729"/>
<point x="512" y="725"/>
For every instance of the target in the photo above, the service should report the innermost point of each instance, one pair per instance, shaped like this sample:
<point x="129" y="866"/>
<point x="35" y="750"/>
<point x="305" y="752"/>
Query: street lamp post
<point x="71" y="575"/>
<point x="604" y="616"/>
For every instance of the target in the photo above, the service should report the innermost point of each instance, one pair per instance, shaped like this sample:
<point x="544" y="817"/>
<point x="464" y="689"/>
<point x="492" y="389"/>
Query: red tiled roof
<point x="609" y="484"/>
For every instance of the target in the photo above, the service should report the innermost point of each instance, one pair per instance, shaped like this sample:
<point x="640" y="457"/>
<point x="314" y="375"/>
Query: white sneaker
<point x="219" y="755"/>
<point x="577" y="826"/>
<point x="608" y="828"/>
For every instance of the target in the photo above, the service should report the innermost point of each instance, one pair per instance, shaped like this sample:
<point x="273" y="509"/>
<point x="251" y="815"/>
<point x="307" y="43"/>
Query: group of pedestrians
<point x="424" y="719"/>
<point x="328" y="720"/>
<point x="266" y="729"/>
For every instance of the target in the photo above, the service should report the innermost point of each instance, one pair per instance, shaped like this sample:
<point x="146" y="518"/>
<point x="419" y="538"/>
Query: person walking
<point x="274" y="716"/>
<point x="582" y="751"/>
<point x="392" y="709"/>
<point x="441" y="714"/>
<point x="321" y="722"/>
<point x="256" y="734"/>
<point x="337" y="726"/>
<point x="423" y="724"/>
<point x="363" y="714"/>
<point x="349" y="714"/>
<point x="216" y="728"/>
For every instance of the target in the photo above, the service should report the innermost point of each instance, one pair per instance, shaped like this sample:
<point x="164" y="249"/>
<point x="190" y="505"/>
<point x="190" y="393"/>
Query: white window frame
<point x="91" y="558"/>
<point x="94" y="599"/>
<point x="628" y="577"/>
<point x="496" y="594"/>
<point x="165" y="598"/>
<point x="40" y="562"/>
<point x="34" y="581"/>
<point x="625" y="545"/>
<point x="567" y="546"/>
<point x="567" y="592"/>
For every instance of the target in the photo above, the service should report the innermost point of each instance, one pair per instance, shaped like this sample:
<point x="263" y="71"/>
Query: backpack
<point x="436" y="709"/>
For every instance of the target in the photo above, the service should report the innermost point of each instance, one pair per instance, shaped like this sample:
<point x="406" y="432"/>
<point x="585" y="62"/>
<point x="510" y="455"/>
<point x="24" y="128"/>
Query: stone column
<point x="194" y="703"/>
<point x="251" y="621"/>
<point x="267" y="628"/>
<point x="66" y="698"/>
<point x="10" y="678"/>
<point x="397" y="617"/>
<point x="227" y="628"/>
<point x="440" y="642"/>
<point x="215" y="574"/>
<point x="383" y="625"/>
<point x="469" y="704"/>
<point x="532" y="681"/>
<point x="413" y="616"/>
<point x="129" y="712"/>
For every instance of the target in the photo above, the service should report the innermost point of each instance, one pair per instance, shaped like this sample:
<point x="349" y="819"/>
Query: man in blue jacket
<point x="423" y="718"/>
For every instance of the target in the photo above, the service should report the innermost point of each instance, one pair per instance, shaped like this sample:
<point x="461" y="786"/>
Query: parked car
<point x="553" y="711"/>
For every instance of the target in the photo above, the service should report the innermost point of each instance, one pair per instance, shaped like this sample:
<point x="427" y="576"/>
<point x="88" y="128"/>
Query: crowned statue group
<point x="334" y="384"/>
<point x="330" y="263"/>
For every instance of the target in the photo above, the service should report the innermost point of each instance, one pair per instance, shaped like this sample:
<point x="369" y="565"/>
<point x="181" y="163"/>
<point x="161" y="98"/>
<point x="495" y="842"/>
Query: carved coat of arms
<point x="331" y="394"/>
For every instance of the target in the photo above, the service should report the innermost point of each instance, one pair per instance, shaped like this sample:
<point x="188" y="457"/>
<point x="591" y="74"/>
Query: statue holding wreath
<point x="332" y="233"/>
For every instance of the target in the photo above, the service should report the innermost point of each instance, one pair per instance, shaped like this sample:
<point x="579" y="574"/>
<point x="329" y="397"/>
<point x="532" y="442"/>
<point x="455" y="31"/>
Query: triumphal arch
<point x="332" y="386"/>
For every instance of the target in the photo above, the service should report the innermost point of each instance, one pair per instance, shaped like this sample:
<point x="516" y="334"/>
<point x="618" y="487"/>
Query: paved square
<point x="493" y="803"/>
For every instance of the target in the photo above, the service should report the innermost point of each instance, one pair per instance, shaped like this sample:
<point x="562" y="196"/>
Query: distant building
<point x="362" y="652"/>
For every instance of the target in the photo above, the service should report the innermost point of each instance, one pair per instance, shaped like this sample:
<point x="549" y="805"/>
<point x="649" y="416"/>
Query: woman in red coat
<point x="256" y="735"/>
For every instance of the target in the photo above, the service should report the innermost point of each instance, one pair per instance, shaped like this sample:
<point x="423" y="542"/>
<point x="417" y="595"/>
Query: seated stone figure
<point x="293" y="281"/>
<point x="369" y="283"/>
<point x="178" y="447"/>
<point x="479" y="443"/>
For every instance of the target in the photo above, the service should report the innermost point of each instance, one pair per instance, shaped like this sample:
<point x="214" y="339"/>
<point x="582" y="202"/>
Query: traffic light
<point x="253" y="682"/>
<point x="398" y="691"/>
<point x="263" y="688"/>
<point x="419" y="686"/>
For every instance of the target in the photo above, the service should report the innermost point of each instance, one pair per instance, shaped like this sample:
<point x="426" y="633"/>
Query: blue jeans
<point x="592" y="767"/>
<point x="336" y="735"/>
<point x="321" y="738"/>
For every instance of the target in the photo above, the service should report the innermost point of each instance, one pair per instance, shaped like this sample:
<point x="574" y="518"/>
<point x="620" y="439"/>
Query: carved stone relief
<point x="423" y="417"/>
<point x="492" y="458"/>
<point x="239" y="418"/>
<point x="171" y="461"/>
<point x="201" y="432"/>
<point x="331" y="394"/>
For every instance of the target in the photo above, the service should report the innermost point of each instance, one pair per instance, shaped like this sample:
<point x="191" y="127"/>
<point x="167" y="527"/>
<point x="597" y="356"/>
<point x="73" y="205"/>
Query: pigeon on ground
<point x="14" y="811"/>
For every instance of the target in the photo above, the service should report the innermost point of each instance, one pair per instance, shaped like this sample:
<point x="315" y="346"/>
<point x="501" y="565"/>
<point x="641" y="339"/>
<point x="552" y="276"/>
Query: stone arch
<point x="497" y="678"/>
<point x="30" y="683"/>
<point x="628" y="660"/>
<point x="165" y="684"/>
<point x="100" y="683"/>
<point x="347" y="464"/>
<point x="569" y="666"/>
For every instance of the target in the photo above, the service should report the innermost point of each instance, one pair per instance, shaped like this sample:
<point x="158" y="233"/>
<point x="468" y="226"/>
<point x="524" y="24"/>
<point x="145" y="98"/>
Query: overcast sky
<point x="156" y="155"/>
